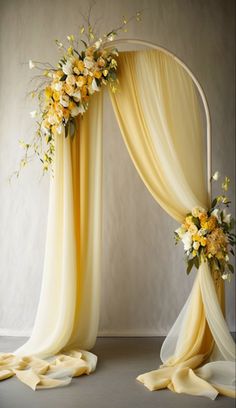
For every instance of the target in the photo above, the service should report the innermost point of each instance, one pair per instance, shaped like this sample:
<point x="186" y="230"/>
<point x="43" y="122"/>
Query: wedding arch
<point x="157" y="109"/>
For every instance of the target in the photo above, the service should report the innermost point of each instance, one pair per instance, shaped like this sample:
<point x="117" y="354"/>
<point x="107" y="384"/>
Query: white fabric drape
<point x="159" y="115"/>
<point x="68" y="310"/>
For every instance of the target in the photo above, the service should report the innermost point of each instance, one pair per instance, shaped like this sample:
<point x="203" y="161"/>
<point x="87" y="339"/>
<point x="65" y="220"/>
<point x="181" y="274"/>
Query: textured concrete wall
<point x="144" y="284"/>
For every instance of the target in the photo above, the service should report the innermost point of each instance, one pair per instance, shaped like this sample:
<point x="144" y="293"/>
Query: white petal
<point x="31" y="64"/>
<point x="33" y="114"/>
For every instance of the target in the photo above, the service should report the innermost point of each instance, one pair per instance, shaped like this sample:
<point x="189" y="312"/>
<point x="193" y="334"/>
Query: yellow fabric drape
<point x="158" y="112"/>
<point x="67" y="316"/>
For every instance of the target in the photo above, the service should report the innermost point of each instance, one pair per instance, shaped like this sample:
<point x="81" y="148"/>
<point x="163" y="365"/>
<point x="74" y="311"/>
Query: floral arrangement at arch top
<point x="207" y="235"/>
<point x="87" y="63"/>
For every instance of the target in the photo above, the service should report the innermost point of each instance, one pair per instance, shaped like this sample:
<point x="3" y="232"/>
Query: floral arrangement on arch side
<point x="207" y="235"/>
<point x="87" y="63"/>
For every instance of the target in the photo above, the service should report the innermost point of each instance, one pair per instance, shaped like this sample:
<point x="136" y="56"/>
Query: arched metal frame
<point x="200" y="90"/>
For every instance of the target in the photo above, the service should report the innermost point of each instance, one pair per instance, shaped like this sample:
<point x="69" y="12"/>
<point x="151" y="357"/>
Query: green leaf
<point x="214" y="202"/>
<point x="196" y="261"/>
<point x="231" y="268"/>
<point x="85" y="44"/>
<point x="63" y="78"/>
<point x="77" y="52"/>
<point x="232" y="252"/>
<point x="196" y="222"/>
<point x="190" y="265"/>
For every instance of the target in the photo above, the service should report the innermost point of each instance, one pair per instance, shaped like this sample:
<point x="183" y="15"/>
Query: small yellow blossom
<point x="48" y="92"/>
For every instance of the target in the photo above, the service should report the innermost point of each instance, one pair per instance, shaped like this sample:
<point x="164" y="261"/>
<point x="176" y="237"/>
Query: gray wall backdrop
<point x="144" y="284"/>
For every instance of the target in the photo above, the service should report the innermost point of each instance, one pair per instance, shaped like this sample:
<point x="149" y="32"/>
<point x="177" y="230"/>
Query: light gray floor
<point x="113" y="385"/>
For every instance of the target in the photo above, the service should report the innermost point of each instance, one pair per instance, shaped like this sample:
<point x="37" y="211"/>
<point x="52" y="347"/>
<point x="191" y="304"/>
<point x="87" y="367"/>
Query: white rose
<point x="187" y="241"/>
<point x="58" y="86"/>
<point x="53" y="119"/>
<point x="77" y="96"/>
<point x="81" y="109"/>
<point x="70" y="80"/>
<point x="64" y="100"/>
<point x="88" y="63"/>
<point x="75" y="111"/>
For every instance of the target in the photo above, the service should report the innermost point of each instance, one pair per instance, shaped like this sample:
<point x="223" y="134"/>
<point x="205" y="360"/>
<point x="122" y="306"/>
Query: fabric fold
<point x="68" y="310"/>
<point x="158" y="111"/>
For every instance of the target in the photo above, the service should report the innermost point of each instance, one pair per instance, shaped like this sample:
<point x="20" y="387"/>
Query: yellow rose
<point x="203" y="241"/>
<point x="56" y="96"/>
<point x="197" y="238"/>
<point x="203" y="218"/>
<point x="66" y="113"/>
<point x="84" y="91"/>
<point x="97" y="74"/>
<point x="69" y="89"/>
<point x="89" y="80"/>
<point x="210" y="224"/>
<point x="58" y="74"/>
<point x="101" y="62"/>
<point x="193" y="229"/>
<point x="71" y="105"/>
<point x="81" y="80"/>
<point x="79" y="66"/>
